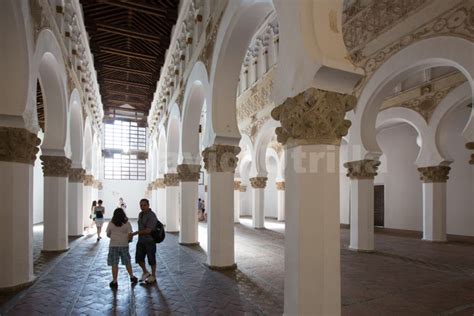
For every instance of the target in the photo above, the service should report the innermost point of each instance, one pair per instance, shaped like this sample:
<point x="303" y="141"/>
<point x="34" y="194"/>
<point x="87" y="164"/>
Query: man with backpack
<point x="146" y="245"/>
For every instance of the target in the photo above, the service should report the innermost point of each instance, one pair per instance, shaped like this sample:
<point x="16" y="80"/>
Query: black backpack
<point x="158" y="234"/>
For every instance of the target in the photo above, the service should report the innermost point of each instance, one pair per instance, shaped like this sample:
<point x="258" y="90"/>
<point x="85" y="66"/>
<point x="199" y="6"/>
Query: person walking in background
<point x="146" y="246"/>
<point x="122" y="204"/>
<point x="118" y="231"/>
<point x="92" y="215"/>
<point x="99" y="211"/>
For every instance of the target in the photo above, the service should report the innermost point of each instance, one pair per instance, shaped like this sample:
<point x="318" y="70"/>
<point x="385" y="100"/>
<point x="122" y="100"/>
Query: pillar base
<point x="16" y="288"/>
<point x="360" y="250"/>
<point x="435" y="241"/>
<point x="55" y="251"/>
<point x="189" y="243"/>
<point x="224" y="268"/>
<point x="81" y="235"/>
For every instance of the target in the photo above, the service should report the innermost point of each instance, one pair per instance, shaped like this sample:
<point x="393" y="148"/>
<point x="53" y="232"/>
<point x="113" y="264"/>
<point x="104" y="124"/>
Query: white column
<point x="76" y="202"/>
<point x="237" y="201"/>
<point x="172" y="202"/>
<point x="434" y="202"/>
<point x="189" y="177"/>
<point x="220" y="162"/>
<point x="18" y="148"/>
<point x="312" y="231"/>
<point x="55" y="235"/>
<point x="281" y="200"/>
<point x="258" y="201"/>
<point x="362" y="175"/>
<point x="242" y="191"/>
<point x="87" y="204"/>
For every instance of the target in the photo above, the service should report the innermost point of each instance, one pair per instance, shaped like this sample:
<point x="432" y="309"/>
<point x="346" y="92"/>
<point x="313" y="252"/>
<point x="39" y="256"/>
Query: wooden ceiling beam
<point x="127" y="53"/>
<point x="126" y="83"/>
<point x="127" y="69"/>
<point x="115" y="92"/>
<point x="128" y="33"/>
<point x="134" y="104"/>
<point x="142" y="8"/>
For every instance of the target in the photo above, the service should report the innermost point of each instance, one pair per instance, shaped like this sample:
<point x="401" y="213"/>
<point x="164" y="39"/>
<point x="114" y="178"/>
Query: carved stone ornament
<point x="55" y="166"/>
<point x="237" y="185"/>
<point x="221" y="158"/>
<point x="76" y="175"/>
<point x="280" y="185"/>
<point x="243" y="188"/>
<point x="313" y="117"/>
<point x="159" y="183"/>
<point x="470" y="146"/>
<point x="258" y="182"/>
<point x="435" y="174"/>
<point x="189" y="173"/>
<point x="362" y="169"/>
<point x="88" y="180"/>
<point x="18" y="145"/>
<point x="171" y="179"/>
<point x="150" y="186"/>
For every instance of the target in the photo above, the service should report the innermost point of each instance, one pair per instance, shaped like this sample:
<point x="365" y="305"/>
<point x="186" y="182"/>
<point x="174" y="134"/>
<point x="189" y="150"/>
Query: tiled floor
<point x="405" y="276"/>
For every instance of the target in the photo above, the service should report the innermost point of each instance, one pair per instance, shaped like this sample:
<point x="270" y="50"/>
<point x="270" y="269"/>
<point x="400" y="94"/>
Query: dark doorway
<point x="379" y="205"/>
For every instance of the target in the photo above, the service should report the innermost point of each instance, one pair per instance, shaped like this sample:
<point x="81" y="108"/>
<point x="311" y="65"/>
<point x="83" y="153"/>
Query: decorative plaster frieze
<point x="171" y="179"/>
<point x="55" y="166"/>
<point x="470" y="146"/>
<point x="454" y="22"/>
<point x="314" y="116"/>
<point x="363" y="21"/>
<point x="426" y="97"/>
<point x="280" y="185"/>
<point x="76" y="175"/>
<point x="243" y="188"/>
<point x="256" y="98"/>
<point x="258" y="182"/>
<point x="277" y="147"/>
<point x="189" y="173"/>
<point x="434" y="174"/>
<point x="220" y="158"/>
<point x="362" y="169"/>
<point x="18" y="145"/>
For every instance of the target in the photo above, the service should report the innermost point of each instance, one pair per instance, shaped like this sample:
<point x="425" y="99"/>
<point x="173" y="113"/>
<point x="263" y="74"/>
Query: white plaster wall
<point x="399" y="174"/>
<point x="271" y="199"/>
<point x="460" y="186"/>
<point x="132" y="191"/>
<point x="246" y="197"/>
<point x="344" y="184"/>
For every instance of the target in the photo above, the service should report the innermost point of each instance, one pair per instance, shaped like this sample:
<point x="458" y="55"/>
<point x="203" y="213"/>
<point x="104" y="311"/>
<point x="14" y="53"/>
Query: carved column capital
<point x="189" y="173"/>
<point x="221" y="158"/>
<point x="313" y="117"/>
<point x="159" y="183"/>
<point x="88" y="180"/>
<point x="100" y="186"/>
<point x="55" y="166"/>
<point x="280" y="185"/>
<point x="243" y="188"/>
<point x="362" y="169"/>
<point x="76" y="175"/>
<point x="18" y="145"/>
<point x="434" y="174"/>
<point x="171" y="179"/>
<point x="95" y="184"/>
<point x="470" y="146"/>
<point x="237" y="185"/>
<point x="149" y="186"/>
<point x="258" y="182"/>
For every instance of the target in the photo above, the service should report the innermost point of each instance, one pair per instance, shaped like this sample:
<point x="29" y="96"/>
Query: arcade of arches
<point x="331" y="141"/>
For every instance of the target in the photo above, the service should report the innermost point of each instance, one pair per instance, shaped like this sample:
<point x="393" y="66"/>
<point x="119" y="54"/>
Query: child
<point x="118" y="230"/>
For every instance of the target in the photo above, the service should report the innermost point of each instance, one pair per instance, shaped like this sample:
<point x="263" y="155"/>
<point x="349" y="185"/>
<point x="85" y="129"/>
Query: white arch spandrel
<point x="432" y="52"/>
<point x="76" y="133"/>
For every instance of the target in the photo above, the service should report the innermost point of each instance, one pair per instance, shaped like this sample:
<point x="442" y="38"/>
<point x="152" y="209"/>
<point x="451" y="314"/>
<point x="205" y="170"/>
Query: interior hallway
<point x="406" y="276"/>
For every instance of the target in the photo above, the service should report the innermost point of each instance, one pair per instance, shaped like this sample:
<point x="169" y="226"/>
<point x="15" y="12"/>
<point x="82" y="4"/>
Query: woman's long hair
<point x="94" y="203"/>
<point x="119" y="217"/>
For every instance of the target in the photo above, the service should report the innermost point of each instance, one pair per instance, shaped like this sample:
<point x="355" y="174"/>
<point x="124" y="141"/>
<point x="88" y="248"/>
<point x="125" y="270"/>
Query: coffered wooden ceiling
<point x="128" y="40"/>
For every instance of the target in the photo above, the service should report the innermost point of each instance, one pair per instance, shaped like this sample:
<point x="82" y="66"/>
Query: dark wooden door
<point x="379" y="205"/>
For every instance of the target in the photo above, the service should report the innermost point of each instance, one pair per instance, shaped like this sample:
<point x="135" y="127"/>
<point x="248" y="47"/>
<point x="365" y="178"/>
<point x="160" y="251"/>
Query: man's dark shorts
<point x="147" y="249"/>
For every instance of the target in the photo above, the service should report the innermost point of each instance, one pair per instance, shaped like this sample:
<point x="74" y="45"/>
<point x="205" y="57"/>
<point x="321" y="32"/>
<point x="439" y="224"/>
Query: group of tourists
<point x="121" y="233"/>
